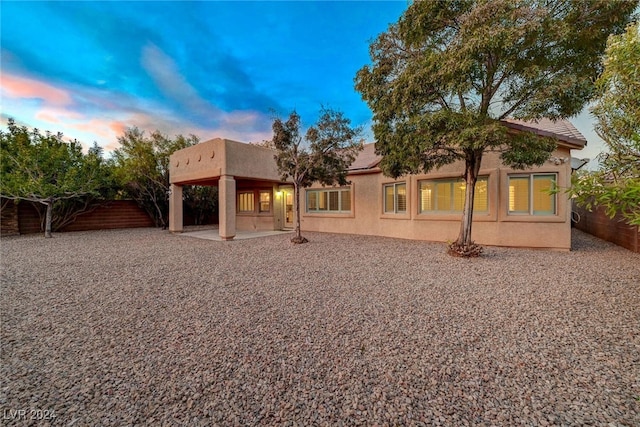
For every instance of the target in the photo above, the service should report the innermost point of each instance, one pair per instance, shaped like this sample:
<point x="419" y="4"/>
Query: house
<point x="512" y="207"/>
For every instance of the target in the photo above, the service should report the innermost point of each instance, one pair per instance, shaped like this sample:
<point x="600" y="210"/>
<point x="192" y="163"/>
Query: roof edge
<point x="569" y="142"/>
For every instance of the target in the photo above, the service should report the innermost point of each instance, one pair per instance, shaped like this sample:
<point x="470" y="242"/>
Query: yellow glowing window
<point x="447" y="196"/>
<point x="265" y="201"/>
<point x="531" y="194"/>
<point x="312" y="200"/>
<point x="395" y="198"/>
<point x="345" y="201"/>
<point x="329" y="200"/>
<point x="245" y="202"/>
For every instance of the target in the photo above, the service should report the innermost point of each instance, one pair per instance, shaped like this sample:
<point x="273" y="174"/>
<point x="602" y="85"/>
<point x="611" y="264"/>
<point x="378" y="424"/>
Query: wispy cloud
<point x="103" y="116"/>
<point x="25" y="88"/>
<point x="174" y="85"/>
<point x="165" y="73"/>
<point x="213" y="69"/>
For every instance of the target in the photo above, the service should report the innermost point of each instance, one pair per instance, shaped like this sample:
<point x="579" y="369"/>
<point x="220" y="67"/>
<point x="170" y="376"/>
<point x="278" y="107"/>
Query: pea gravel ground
<point x="142" y="327"/>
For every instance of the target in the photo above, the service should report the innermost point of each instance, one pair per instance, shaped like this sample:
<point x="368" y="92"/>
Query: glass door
<point x="289" y="213"/>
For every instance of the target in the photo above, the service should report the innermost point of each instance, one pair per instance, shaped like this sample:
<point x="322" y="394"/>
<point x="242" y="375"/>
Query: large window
<point x="395" y="198"/>
<point x="335" y="200"/>
<point x="245" y="201"/>
<point x="447" y="195"/>
<point x="531" y="194"/>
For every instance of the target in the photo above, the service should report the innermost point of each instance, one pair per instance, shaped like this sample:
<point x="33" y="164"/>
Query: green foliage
<point x="447" y="72"/>
<point x="591" y="189"/>
<point x="44" y="169"/>
<point x="323" y="154"/>
<point x="142" y="167"/>
<point x="616" y="186"/>
<point x="201" y="202"/>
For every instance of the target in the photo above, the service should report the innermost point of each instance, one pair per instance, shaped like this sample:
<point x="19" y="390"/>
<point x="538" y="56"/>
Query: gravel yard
<point x="142" y="327"/>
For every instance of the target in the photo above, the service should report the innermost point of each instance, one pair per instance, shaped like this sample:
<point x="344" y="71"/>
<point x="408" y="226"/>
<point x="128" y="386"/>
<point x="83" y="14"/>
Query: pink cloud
<point x="22" y="87"/>
<point x="99" y="127"/>
<point x="118" y="128"/>
<point x="56" y="115"/>
<point x="47" y="117"/>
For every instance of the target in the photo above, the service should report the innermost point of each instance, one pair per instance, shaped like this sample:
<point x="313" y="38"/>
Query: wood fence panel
<point x="613" y="230"/>
<point x="9" y="218"/>
<point x="113" y="214"/>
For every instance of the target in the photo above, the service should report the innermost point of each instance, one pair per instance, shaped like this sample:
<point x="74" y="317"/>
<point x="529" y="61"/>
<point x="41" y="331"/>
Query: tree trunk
<point x="47" y="221"/>
<point x="298" y="238"/>
<point x="296" y="190"/>
<point x="162" y="223"/>
<point x="472" y="168"/>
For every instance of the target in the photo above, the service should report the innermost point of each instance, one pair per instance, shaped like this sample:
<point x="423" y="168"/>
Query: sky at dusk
<point x="212" y="69"/>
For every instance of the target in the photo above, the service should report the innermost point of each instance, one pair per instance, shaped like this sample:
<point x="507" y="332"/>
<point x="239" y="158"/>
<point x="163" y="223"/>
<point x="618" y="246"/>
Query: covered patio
<point x="212" y="233"/>
<point x="251" y="194"/>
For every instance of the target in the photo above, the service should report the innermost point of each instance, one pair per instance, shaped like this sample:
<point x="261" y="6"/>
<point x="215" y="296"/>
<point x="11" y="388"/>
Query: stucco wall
<point x="207" y="161"/>
<point x="493" y="228"/>
<point x="252" y="166"/>
<point x="262" y="221"/>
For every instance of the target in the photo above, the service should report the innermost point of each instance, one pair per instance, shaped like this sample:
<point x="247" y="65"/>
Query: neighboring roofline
<point x="565" y="140"/>
<point x="362" y="171"/>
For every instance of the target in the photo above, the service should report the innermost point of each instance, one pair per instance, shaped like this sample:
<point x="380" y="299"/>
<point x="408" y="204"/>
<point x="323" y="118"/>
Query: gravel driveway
<point x="142" y="327"/>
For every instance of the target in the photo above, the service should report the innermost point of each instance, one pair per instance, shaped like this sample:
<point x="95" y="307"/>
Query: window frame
<point x="260" y="202"/>
<point x="451" y="181"/>
<point x="240" y="201"/>
<point x="531" y="194"/>
<point x="326" y="194"/>
<point x="395" y="186"/>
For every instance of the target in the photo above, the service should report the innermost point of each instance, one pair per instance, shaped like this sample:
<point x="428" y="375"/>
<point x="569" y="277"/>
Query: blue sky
<point x="214" y="69"/>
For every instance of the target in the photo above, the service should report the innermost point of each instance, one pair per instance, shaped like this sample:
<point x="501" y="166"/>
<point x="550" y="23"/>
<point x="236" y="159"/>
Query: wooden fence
<point x="23" y="217"/>
<point x="613" y="230"/>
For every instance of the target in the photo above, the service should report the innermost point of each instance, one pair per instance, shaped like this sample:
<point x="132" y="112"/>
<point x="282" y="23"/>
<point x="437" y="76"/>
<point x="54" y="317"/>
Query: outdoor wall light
<point x="278" y="194"/>
<point x="558" y="160"/>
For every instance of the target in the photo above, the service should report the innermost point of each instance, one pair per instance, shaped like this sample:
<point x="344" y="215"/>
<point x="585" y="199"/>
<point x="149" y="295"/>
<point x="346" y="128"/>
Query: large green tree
<point x="448" y="71"/>
<point x="323" y="154"/>
<point x="142" y="166"/>
<point x="616" y="185"/>
<point x="45" y="169"/>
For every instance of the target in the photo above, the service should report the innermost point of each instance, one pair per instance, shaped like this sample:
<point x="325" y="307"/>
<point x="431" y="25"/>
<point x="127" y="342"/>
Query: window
<point x="395" y="198"/>
<point x="245" y="202"/>
<point x="265" y="201"/>
<point x="530" y="194"/>
<point x="329" y="200"/>
<point x="447" y="195"/>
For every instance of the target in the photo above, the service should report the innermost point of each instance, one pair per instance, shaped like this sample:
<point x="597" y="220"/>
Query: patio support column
<point x="175" y="209"/>
<point x="227" y="207"/>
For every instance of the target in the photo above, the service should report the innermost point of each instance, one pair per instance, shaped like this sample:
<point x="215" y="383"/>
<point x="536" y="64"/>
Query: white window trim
<point x="340" y="190"/>
<point x="531" y="176"/>
<point x="450" y="181"/>
<point x="395" y="198"/>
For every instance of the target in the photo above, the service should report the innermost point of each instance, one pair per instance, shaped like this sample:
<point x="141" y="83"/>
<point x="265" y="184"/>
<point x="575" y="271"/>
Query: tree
<point x="66" y="211"/>
<point x="447" y="72"/>
<point x="616" y="186"/>
<point x="323" y="154"/>
<point x="201" y="201"/>
<point x="47" y="170"/>
<point x="142" y="165"/>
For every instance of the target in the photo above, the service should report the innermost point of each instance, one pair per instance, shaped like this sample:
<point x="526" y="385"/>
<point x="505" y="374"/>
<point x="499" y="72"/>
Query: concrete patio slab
<point x="212" y="234"/>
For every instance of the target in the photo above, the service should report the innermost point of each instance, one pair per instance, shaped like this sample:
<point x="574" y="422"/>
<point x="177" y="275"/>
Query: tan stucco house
<point x="512" y="207"/>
